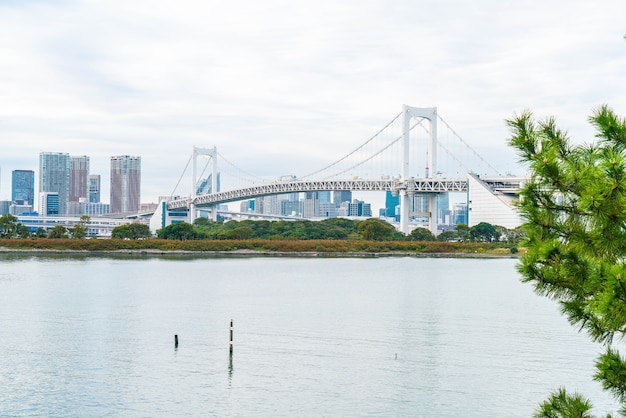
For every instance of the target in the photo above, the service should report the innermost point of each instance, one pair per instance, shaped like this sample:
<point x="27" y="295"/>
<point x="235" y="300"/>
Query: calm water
<point x="313" y="337"/>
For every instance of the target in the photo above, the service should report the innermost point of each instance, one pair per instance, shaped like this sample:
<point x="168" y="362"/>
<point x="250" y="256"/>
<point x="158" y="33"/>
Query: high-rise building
<point x="54" y="177"/>
<point x="392" y="203"/>
<point x="79" y="178"/>
<point x="94" y="188"/>
<point x="340" y="196"/>
<point x="23" y="186"/>
<point x="125" y="184"/>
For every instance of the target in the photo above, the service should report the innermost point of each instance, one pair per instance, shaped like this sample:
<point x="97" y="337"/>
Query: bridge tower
<point x="409" y="113"/>
<point x="212" y="153"/>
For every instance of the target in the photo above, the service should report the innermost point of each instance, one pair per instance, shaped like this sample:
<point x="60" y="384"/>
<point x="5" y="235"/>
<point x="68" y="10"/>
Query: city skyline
<point x="286" y="88"/>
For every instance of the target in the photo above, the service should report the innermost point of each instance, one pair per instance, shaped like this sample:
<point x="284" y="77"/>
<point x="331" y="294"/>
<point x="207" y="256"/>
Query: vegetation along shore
<point x="330" y="237"/>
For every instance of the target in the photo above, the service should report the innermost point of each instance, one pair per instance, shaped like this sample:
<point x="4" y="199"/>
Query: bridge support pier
<point x="433" y="211"/>
<point x="404" y="212"/>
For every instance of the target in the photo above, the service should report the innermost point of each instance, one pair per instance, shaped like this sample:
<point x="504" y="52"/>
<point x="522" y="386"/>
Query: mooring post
<point x="231" y="338"/>
<point x="176" y="341"/>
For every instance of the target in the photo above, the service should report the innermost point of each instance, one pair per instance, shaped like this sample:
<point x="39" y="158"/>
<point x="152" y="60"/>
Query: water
<point x="94" y="336"/>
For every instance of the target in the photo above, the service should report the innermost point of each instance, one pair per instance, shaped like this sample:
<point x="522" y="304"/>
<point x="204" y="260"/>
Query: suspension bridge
<point x="415" y="140"/>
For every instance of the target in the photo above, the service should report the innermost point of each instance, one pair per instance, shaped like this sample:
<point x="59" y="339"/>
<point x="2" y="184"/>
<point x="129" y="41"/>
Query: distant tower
<point x="23" y="186"/>
<point x="125" y="184"/>
<point x="94" y="188"/>
<point x="54" y="177"/>
<point x="79" y="178"/>
<point x="340" y="196"/>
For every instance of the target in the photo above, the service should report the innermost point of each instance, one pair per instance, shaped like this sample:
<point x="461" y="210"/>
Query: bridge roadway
<point x="411" y="186"/>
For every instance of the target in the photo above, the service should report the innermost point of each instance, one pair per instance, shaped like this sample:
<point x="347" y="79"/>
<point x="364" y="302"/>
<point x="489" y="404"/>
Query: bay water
<point x="85" y="336"/>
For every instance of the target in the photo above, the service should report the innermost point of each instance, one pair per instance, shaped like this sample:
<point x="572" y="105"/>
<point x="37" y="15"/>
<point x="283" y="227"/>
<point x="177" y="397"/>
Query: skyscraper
<point x="94" y="188"/>
<point x="23" y="186"/>
<point x="79" y="178"/>
<point x="54" y="176"/>
<point x="125" y="184"/>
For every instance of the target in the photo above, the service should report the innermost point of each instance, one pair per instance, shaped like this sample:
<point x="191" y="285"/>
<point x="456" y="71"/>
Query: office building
<point x="54" y="177"/>
<point x="94" y="188"/>
<point x="49" y="204"/>
<point x="79" y="178"/>
<point x="125" y="184"/>
<point x="340" y="196"/>
<point x="23" y="186"/>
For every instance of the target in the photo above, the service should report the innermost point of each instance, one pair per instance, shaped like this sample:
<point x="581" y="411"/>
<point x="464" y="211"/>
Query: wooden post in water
<point x="176" y="341"/>
<point x="231" y="338"/>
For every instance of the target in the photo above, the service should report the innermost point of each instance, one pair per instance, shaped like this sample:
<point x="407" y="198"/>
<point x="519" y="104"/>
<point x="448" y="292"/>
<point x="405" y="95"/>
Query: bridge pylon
<point x="212" y="153"/>
<point x="409" y="113"/>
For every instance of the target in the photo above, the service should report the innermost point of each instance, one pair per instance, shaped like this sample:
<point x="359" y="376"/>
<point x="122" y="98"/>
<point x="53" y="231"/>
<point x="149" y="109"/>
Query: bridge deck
<point x="413" y="185"/>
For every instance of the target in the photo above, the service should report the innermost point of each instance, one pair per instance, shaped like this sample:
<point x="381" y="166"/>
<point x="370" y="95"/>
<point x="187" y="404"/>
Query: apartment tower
<point x="54" y="177"/>
<point x="125" y="184"/>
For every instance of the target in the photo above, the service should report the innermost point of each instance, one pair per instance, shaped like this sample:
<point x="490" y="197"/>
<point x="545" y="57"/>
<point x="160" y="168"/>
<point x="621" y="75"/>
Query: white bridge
<point x="397" y="149"/>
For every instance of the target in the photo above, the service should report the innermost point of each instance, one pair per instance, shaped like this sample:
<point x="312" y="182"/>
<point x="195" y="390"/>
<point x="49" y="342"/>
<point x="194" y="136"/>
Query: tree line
<point x="328" y="229"/>
<point x="333" y="229"/>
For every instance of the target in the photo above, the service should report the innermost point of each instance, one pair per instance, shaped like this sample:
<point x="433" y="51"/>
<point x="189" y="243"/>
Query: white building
<point x="488" y="205"/>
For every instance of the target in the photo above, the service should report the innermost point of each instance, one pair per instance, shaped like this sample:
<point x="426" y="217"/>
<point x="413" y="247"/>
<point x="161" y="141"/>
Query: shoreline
<point x="253" y="253"/>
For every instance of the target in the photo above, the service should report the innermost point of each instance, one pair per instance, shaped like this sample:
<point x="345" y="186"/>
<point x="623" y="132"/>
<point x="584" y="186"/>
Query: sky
<point x="287" y="87"/>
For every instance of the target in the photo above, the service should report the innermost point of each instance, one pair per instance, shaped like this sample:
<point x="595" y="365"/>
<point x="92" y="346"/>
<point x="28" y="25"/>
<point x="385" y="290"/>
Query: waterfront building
<point x="17" y="209"/>
<point x="125" y="184"/>
<point x="494" y="207"/>
<point x="49" y="204"/>
<point x="54" y="177"/>
<point x="94" y="188"/>
<point x="79" y="178"/>
<point x="97" y="209"/>
<point x="23" y="186"/>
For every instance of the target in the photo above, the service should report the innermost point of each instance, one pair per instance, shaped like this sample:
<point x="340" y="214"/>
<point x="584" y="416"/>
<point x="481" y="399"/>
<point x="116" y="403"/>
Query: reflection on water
<point x="92" y="336"/>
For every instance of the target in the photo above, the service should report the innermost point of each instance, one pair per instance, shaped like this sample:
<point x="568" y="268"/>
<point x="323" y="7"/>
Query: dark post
<point x="176" y="341"/>
<point x="231" y="337"/>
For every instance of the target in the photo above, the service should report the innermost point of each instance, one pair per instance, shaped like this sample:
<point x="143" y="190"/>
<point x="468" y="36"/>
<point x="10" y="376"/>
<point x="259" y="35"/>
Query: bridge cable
<point x="373" y="155"/>
<point x="242" y="171"/>
<point x="468" y="146"/>
<point x="354" y="151"/>
<point x="181" y="177"/>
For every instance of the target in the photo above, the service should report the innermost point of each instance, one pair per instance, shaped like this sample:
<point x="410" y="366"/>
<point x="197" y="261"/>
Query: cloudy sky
<point x="286" y="86"/>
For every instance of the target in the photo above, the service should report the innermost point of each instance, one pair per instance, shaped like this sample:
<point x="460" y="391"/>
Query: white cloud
<point x="283" y="87"/>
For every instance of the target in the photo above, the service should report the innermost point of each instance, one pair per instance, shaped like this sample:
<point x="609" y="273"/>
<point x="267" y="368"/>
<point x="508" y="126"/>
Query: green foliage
<point x="181" y="231"/>
<point x="8" y="226"/>
<point x="131" y="231"/>
<point x="376" y="230"/>
<point x="575" y="210"/>
<point x="483" y="232"/>
<point x="57" y="232"/>
<point x="562" y="405"/>
<point x="421" y="234"/>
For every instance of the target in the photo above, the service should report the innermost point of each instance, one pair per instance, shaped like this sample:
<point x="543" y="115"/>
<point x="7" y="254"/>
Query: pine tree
<point x="574" y="206"/>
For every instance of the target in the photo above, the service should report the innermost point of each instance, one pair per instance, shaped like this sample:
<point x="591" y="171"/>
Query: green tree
<point x="122" y="232"/>
<point x="574" y="206"/>
<point x="376" y="230"/>
<point x="41" y="233"/>
<point x="421" y="234"/>
<point x="58" y="231"/>
<point x="448" y="236"/>
<point x="140" y="231"/>
<point x="81" y="228"/>
<point x="8" y="226"/>
<point x="483" y="232"/>
<point x="180" y="231"/>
